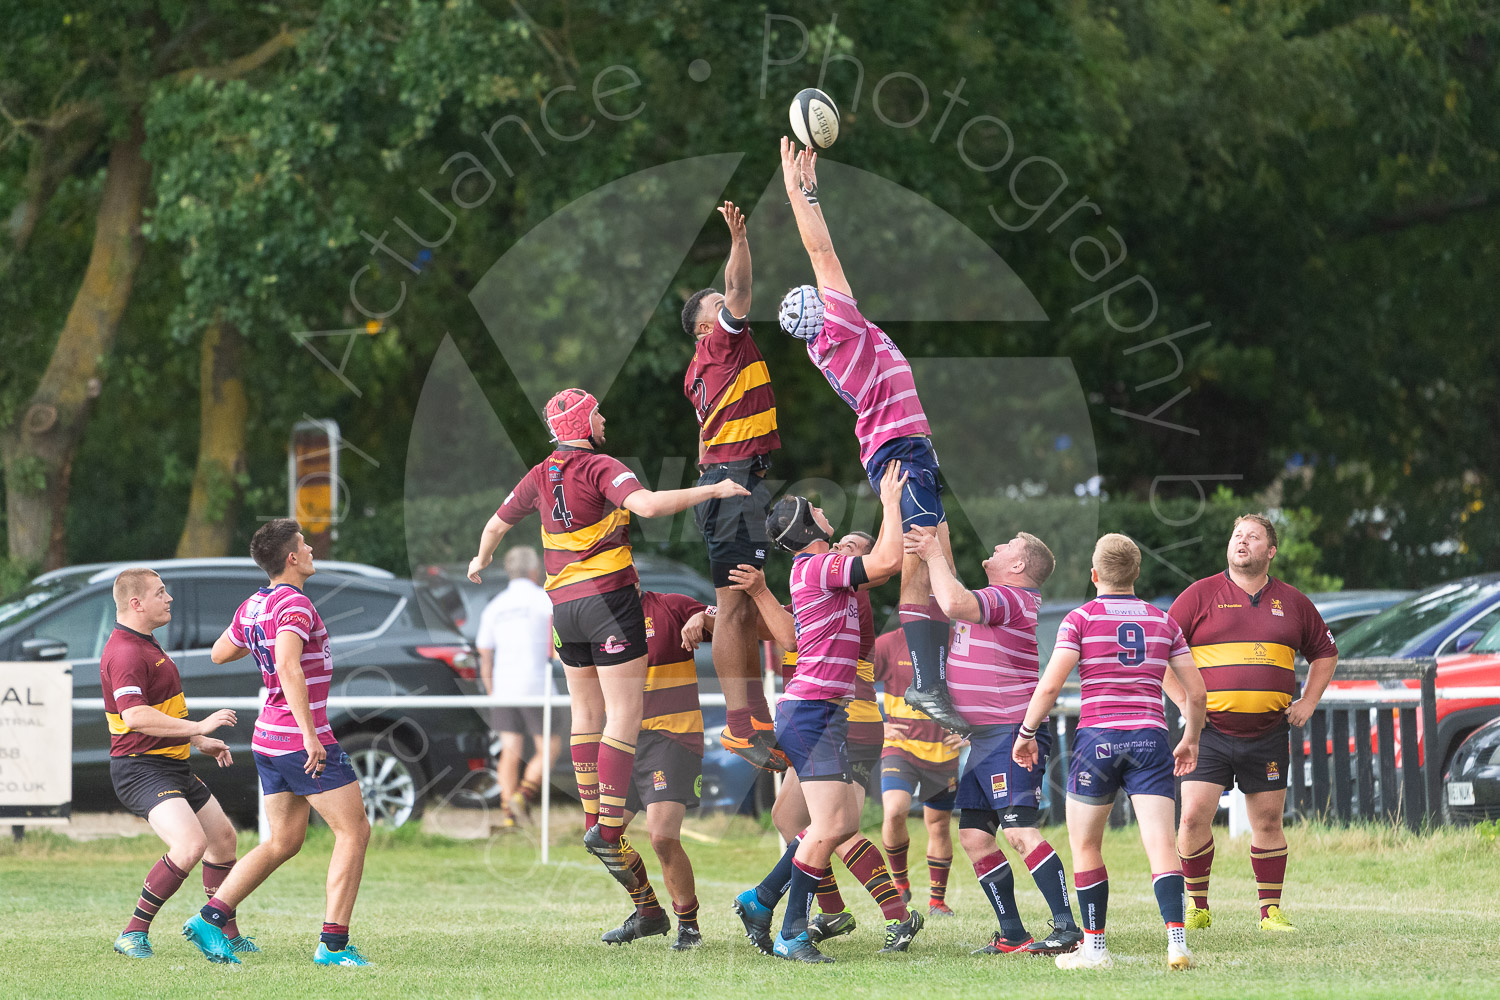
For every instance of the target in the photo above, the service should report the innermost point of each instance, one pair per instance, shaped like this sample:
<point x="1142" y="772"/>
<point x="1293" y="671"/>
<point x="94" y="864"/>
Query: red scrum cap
<point x="569" y="414"/>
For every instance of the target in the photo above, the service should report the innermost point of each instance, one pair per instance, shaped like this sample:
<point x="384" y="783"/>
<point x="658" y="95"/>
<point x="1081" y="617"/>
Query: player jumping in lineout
<point x="870" y="373"/>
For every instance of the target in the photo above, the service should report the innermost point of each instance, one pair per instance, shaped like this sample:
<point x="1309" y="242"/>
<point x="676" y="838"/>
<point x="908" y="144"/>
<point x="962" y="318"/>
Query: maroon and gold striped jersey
<point x="579" y="494"/>
<point x="1245" y="647"/>
<point x="922" y="739"/>
<point x="730" y="389"/>
<point x="670" y="704"/>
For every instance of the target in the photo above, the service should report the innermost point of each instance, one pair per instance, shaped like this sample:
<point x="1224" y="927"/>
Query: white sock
<point x="1093" y="943"/>
<point x="1177" y="934"/>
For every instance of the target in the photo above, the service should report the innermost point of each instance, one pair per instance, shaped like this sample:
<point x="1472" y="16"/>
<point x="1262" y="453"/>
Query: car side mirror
<point x="43" y="648"/>
<point x="1468" y="640"/>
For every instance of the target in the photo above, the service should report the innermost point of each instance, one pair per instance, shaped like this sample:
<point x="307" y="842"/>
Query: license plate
<point x="1460" y="793"/>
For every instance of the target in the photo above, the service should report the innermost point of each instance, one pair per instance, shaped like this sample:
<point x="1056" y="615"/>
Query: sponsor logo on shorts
<point x="659" y="780"/>
<point x="612" y="646"/>
<point x="650" y="627"/>
<point x="698" y="785"/>
<point x="1084" y="778"/>
<point x="1011" y="817"/>
<point x="1273" y="771"/>
<point x="169" y="791"/>
<point x="953" y="783"/>
<point x="760" y="553"/>
<point x="1103" y="751"/>
<point x="997" y="784"/>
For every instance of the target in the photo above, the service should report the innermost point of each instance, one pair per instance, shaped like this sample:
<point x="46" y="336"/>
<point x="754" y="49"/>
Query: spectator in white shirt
<point x="515" y="634"/>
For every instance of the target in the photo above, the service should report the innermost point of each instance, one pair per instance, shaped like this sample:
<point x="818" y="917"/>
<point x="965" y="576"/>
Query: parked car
<point x="729" y="783"/>
<point x="388" y="640"/>
<point x="1472" y="783"/>
<point x="1458" y="623"/>
<point x="1343" y="609"/>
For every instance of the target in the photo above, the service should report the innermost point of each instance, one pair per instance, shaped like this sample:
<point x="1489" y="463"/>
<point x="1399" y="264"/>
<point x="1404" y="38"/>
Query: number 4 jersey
<point x="585" y="532"/>
<point x="1124" y="644"/>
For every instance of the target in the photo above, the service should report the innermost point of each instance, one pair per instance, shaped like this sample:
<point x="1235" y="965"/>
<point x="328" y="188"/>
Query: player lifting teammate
<point x="870" y="373"/>
<point x="730" y="389"/>
<point x="992" y="674"/>
<point x="1122" y="647"/>
<point x="150" y="737"/>
<point x="585" y="499"/>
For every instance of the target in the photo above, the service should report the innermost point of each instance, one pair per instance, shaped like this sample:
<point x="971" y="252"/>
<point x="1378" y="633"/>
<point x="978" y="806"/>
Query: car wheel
<point x="389" y="781"/>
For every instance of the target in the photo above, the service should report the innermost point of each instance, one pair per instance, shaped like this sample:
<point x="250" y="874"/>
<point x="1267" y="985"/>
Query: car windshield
<point x="22" y="605"/>
<point x="1387" y="633"/>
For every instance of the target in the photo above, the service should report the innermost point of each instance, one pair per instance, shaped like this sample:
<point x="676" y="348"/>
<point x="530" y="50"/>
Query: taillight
<point x="460" y="659"/>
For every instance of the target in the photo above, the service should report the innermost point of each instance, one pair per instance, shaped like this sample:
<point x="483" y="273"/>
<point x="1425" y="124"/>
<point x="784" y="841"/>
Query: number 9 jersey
<point x="1124" y="644"/>
<point x="579" y="494"/>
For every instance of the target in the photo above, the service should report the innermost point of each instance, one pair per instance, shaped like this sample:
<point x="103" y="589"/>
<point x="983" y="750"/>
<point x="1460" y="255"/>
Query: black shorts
<point x="735" y="529"/>
<point x="864" y="760"/>
<point x="1256" y="763"/>
<point x="146" y="781"/>
<point x="664" y="771"/>
<point x="600" y="630"/>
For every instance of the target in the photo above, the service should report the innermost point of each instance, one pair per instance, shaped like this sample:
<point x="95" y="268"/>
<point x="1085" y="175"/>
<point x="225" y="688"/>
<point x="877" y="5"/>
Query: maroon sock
<point x="687" y="913"/>
<point x="616" y="758"/>
<point x="585" y="748"/>
<point x="335" y="936"/>
<point x="214" y="875"/>
<point x="1195" y="869"/>
<point x="643" y="896"/>
<point x="739" y="723"/>
<point x="895" y="855"/>
<point x="866" y="864"/>
<point x="1269" y="865"/>
<point x="164" y="879"/>
<point x="755" y="697"/>
<point x="830" y="900"/>
<point x="938" y="869"/>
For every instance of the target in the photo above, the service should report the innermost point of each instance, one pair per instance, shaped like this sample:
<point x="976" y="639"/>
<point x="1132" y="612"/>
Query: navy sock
<point x="928" y="642"/>
<point x="999" y="887"/>
<point x="335" y="936"/>
<point x="1168" y="887"/>
<point x="775" y="884"/>
<point x="1093" y="897"/>
<point x="215" y="913"/>
<point x="799" y="900"/>
<point x="1047" y="868"/>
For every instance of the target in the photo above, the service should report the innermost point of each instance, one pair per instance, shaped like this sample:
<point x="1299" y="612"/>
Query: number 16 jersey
<point x="1124" y="644"/>
<point x="585" y="532"/>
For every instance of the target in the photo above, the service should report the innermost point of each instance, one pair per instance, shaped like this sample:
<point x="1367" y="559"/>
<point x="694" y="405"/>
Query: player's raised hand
<point x="891" y="483"/>
<point x="475" y="565"/>
<point x="922" y="542"/>
<point x="1024" y="752"/>
<point x="726" y="488"/>
<point x="1185" y="758"/>
<point x="748" y="578"/>
<point x="791" y="169"/>
<point x="223" y="717"/>
<point x="734" y="219"/>
<point x="807" y="164"/>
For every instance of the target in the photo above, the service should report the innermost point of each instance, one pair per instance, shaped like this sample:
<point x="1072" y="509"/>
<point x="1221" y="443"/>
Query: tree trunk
<point x="37" y="448"/>
<point x="215" y="499"/>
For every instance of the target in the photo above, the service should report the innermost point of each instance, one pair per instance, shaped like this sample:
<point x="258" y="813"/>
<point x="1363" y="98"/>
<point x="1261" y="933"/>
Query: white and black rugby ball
<point x="815" y="118"/>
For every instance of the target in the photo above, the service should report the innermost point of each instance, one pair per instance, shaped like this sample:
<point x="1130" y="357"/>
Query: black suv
<point x="389" y="639"/>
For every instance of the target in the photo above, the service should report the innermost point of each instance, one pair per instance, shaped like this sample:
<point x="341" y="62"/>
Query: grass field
<point x="1382" y="913"/>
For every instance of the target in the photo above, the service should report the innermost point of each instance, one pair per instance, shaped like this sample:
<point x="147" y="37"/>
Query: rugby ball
<point x="815" y="118"/>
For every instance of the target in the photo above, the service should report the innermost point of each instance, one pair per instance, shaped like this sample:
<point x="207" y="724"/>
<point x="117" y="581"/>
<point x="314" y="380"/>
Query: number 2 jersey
<point x="269" y="612"/>
<point x="579" y="494"/>
<point x="1124" y="644"/>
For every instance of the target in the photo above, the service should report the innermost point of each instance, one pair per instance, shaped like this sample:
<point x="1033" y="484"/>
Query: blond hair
<point x="522" y="560"/>
<point x="1117" y="560"/>
<point x="132" y="582"/>
<point x="1263" y="521"/>
<point x="1039" y="560"/>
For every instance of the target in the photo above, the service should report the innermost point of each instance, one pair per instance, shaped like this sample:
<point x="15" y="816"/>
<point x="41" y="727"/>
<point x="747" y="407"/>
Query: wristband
<point x="810" y="193"/>
<point x="1027" y="734"/>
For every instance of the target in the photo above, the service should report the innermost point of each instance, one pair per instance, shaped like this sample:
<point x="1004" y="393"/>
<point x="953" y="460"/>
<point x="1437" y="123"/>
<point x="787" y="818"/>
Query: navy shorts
<point x="920" y="503"/>
<point x="935" y="787"/>
<point x="814" y="735"/>
<point x="994" y="781"/>
<point x="1106" y="760"/>
<point x="285" y="773"/>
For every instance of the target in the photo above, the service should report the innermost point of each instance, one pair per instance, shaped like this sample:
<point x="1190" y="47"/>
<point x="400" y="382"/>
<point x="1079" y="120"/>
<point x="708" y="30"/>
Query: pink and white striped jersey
<point x="992" y="664"/>
<point x="1124" y="644"/>
<point x="265" y="615"/>
<point x="826" y="608"/>
<point x="869" y="372"/>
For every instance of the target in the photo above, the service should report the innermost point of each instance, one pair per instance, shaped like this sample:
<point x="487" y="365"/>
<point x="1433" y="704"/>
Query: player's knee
<point x="186" y="851"/>
<point x="1023" y="838"/>
<point x="665" y="845"/>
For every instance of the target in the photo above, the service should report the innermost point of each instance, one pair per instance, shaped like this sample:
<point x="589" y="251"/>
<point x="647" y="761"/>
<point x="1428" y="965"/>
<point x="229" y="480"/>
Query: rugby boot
<point x="1059" y="942"/>
<point x="824" y="926"/>
<point x="756" y="918"/>
<point x="1081" y="959"/>
<point x="348" y="955"/>
<point x="637" y="926"/>
<point x="688" y="938"/>
<point x="1275" y="920"/>
<point x="616" y="857"/>
<point x="936" y="706"/>
<point x="899" y="933"/>
<point x="1000" y="945"/>
<point x="799" y="949"/>
<point x="134" y="944"/>
<point x="754" y="751"/>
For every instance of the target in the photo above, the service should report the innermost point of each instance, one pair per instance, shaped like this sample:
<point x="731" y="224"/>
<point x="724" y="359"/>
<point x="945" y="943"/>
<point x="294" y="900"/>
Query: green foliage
<point x="1488" y="830"/>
